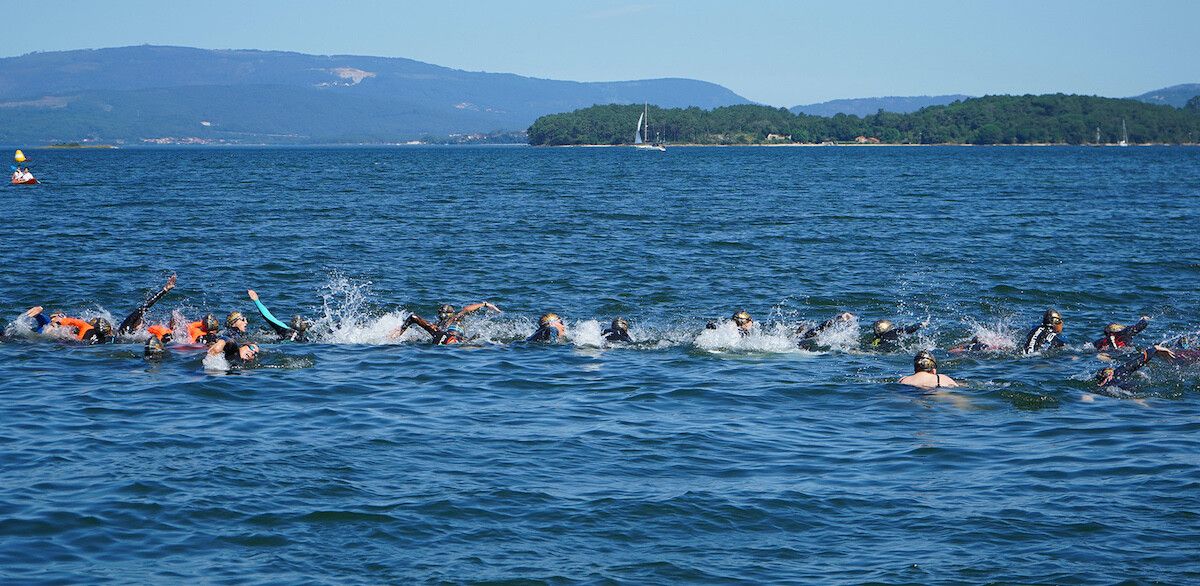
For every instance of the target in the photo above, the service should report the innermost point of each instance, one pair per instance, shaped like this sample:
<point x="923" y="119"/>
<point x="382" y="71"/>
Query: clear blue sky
<point x="781" y="53"/>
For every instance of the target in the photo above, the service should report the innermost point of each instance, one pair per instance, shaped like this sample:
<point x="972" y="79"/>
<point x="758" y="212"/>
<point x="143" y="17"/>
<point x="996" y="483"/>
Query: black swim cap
<point x="1051" y="317"/>
<point x="299" y="324"/>
<point x="210" y="324"/>
<point x="619" y="323"/>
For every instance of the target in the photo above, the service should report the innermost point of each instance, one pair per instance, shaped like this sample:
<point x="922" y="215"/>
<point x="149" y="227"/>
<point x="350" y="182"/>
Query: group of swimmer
<point x="235" y="345"/>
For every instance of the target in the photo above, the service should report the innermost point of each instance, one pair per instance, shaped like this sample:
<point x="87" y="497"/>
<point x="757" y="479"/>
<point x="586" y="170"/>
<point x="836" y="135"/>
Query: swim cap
<point x="882" y="327"/>
<point x="234" y="316"/>
<point x="1114" y="328"/>
<point x="1051" y="317"/>
<point x="548" y="318"/>
<point x="102" y="327"/>
<point x="209" y="323"/>
<point x="619" y="323"/>
<point x="154" y="347"/>
<point x="445" y="309"/>
<point x="924" y="362"/>
<point x="456" y="329"/>
<point x="742" y="315"/>
<point x="844" y="316"/>
<point x="299" y="324"/>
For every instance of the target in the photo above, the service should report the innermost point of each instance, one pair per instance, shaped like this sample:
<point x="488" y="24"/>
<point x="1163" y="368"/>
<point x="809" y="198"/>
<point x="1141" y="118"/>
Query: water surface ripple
<point x="356" y="460"/>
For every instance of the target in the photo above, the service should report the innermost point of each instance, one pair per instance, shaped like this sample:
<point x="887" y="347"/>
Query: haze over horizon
<point x="777" y="53"/>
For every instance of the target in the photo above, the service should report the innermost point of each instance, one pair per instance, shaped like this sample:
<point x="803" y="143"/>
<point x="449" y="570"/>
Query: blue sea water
<point x="693" y="456"/>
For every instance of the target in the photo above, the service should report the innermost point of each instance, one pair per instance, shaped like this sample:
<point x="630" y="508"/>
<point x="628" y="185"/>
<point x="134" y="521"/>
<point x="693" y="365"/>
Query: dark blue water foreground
<point x="686" y="459"/>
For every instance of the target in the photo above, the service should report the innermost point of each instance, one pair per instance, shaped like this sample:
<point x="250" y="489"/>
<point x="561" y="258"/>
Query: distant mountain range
<point x="868" y="106"/>
<point x="155" y="94"/>
<point x="173" y="94"/>
<point x="1176" y="95"/>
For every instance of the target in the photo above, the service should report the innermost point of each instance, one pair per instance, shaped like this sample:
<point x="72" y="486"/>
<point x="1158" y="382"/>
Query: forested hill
<point x="1054" y="118"/>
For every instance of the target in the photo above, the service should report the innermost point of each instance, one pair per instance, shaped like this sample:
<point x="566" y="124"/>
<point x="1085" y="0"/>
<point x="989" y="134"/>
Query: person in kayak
<point x="618" y="331"/>
<point x="1118" y="336"/>
<point x="297" y="331"/>
<point x="925" y="374"/>
<point x="203" y="331"/>
<point x="886" y="336"/>
<point x="1045" y="336"/>
<point x="444" y="331"/>
<point x="1118" y="377"/>
<point x="550" y="329"/>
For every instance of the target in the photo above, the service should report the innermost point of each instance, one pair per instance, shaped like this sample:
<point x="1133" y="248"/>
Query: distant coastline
<point x="76" y="145"/>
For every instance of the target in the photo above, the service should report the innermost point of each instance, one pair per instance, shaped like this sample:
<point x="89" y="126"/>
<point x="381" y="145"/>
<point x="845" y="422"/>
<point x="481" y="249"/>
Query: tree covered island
<point x="1044" y="119"/>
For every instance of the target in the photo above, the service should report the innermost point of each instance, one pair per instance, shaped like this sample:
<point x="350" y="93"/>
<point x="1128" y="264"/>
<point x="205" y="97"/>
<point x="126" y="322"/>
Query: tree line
<point x="1028" y="119"/>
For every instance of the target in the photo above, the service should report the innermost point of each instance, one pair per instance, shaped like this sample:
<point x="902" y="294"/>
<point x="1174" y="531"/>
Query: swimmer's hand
<point x="492" y="307"/>
<point x="1163" y="351"/>
<point x="170" y="283"/>
<point x="32" y="311"/>
<point x="252" y="294"/>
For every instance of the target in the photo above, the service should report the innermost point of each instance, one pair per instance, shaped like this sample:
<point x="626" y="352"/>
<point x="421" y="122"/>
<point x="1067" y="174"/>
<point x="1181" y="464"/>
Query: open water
<point x="691" y="457"/>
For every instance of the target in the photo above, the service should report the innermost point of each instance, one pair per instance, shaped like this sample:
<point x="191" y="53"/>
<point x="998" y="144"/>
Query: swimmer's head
<point x="248" y="352"/>
<point x="742" y="318"/>
<point x="209" y="323"/>
<point x="549" y="318"/>
<point x="154" y="348"/>
<point x="234" y="319"/>
<point x="1105" y="376"/>
<point x="102" y="328"/>
<point x="844" y="316"/>
<point x="882" y="327"/>
<point x="445" y="311"/>
<point x="456" y="330"/>
<point x="924" y="362"/>
<point x="1053" y="319"/>
<point x="1113" y="329"/>
<point x="620" y="325"/>
<point x="299" y="323"/>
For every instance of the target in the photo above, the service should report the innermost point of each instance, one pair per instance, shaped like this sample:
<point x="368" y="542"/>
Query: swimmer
<point x="155" y="349"/>
<point x="925" y="374"/>
<point x="1047" y="335"/>
<point x="618" y="331"/>
<point x="807" y="333"/>
<point x="444" y="331"/>
<point x="235" y="352"/>
<point x="453" y="334"/>
<point x="203" y="331"/>
<point x="886" y="336"/>
<point x="1109" y="377"/>
<point x="550" y="329"/>
<point x="135" y="321"/>
<point x="235" y="326"/>
<point x="98" y="330"/>
<point x="296" y="331"/>
<point x="1119" y="336"/>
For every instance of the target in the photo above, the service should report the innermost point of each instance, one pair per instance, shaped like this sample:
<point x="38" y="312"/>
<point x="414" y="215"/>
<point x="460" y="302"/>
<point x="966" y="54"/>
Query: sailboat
<point x="638" y="143"/>
<point x="1124" y="135"/>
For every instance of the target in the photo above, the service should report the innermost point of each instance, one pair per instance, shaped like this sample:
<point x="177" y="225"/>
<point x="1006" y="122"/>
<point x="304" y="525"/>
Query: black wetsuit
<point x="133" y="323"/>
<point x="1121" y="374"/>
<point x="1040" y="338"/>
<point x="544" y="334"/>
<point x="613" y="335"/>
<point x="1121" y="339"/>
<point x="890" y="340"/>
<point x="814" y="332"/>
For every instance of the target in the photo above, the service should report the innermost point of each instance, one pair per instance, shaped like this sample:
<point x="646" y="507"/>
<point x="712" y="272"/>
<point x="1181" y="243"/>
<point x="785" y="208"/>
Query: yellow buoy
<point x="20" y="156"/>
